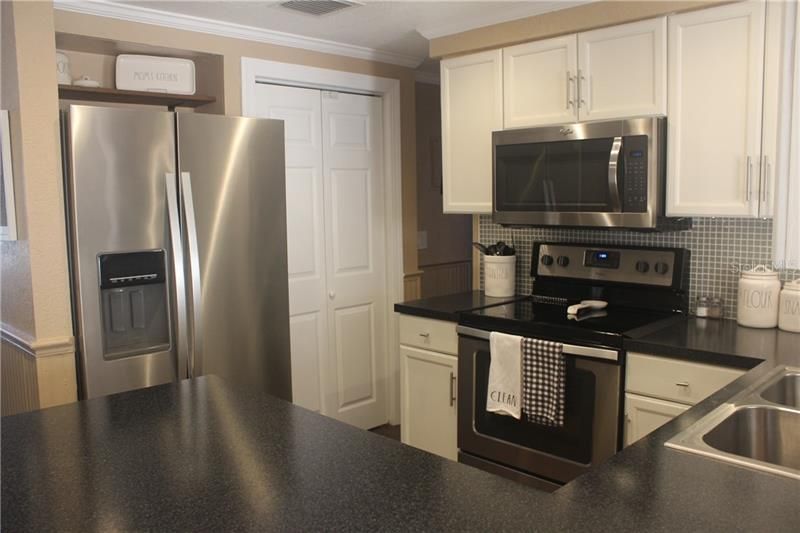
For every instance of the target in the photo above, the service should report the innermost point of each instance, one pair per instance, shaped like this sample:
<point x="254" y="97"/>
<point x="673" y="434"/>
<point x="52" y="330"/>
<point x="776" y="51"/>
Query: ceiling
<point x="398" y="27"/>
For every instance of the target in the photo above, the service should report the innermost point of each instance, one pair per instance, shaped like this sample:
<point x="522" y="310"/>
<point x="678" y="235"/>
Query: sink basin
<point x="785" y="391"/>
<point x="767" y="434"/>
<point x="758" y="428"/>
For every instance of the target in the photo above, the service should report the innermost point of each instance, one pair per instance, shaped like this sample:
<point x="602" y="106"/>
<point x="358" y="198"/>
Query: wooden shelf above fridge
<point x="101" y="94"/>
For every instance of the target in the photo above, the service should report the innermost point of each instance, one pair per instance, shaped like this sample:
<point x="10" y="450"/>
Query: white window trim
<point x="265" y="71"/>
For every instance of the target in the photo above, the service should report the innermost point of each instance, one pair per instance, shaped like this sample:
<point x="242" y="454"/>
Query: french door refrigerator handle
<point x="195" y="361"/>
<point x="182" y="344"/>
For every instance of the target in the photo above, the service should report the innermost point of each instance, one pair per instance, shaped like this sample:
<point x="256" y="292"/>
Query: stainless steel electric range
<point x="645" y="289"/>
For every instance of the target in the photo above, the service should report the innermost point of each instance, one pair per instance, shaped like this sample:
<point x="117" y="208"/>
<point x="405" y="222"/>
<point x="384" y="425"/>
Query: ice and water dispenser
<point x="133" y="288"/>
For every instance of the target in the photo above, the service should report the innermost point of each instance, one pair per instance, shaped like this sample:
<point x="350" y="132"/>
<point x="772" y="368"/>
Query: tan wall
<point x="580" y="18"/>
<point x="449" y="236"/>
<point x="232" y="50"/>
<point x="34" y="298"/>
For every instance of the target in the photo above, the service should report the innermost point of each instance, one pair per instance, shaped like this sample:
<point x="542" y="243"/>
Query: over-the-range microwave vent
<point x="318" y="7"/>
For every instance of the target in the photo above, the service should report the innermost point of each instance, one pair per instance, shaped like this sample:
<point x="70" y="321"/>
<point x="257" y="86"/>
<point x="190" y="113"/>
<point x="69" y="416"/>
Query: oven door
<point x="594" y="174"/>
<point x="591" y="431"/>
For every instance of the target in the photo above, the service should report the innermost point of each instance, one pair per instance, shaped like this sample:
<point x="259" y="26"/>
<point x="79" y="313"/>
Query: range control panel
<point x="645" y="266"/>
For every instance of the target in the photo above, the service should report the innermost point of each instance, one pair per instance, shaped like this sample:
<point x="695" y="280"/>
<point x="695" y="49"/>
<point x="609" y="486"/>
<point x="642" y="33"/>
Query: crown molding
<point x="461" y="24"/>
<point x="177" y="21"/>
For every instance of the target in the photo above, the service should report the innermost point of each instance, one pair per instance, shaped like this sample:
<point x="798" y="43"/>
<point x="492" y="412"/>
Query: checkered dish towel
<point x="543" y="382"/>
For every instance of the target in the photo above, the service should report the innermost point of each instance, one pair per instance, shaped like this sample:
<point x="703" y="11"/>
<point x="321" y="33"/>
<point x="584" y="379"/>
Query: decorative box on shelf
<point x="155" y="74"/>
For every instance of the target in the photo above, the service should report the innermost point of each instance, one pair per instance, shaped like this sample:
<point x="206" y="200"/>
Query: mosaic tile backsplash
<point x="720" y="249"/>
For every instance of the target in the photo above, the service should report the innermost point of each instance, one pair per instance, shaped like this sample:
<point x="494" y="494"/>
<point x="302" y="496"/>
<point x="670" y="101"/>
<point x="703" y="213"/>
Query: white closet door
<point x="300" y="109"/>
<point x="355" y="382"/>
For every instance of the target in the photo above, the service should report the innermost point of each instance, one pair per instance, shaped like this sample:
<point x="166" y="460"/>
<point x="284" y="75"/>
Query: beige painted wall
<point x="34" y="295"/>
<point x="449" y="236"/>
<point x="232" y="50"/>
<point x="580" y="18"/>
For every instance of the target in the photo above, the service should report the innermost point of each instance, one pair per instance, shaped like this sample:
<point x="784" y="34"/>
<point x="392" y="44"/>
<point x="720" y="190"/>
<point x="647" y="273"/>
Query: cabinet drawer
<point x="436" y="335"/>
<point x="680" y="381"/>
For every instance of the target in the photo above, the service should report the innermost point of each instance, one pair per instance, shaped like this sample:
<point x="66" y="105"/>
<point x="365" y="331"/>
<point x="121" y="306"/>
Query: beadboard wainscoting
<point x="446" y="278"/>
<point x="19" y="386"/>
<point x="720" y="249"/>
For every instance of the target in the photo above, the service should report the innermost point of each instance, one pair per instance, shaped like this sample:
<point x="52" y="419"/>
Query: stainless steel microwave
<point x="602" y="174"/>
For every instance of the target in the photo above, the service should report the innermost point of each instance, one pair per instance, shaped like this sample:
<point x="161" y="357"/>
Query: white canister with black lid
<point x="759" y="292"/>
<point x="789" y="315"/>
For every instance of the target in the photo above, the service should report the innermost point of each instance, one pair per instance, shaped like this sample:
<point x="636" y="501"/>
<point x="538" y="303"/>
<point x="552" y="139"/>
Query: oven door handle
<point x="567" y="349"/>
<point x="613" y="172"/>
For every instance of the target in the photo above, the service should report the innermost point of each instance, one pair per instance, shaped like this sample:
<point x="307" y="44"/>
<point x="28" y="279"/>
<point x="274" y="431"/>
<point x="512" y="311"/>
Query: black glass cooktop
<point x="547" y="320"/>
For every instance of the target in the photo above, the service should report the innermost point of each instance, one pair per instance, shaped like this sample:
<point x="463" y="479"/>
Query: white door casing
<point x="715" y="78"/>
<point x="356" y="260"/>
<point x="623" y="70"/>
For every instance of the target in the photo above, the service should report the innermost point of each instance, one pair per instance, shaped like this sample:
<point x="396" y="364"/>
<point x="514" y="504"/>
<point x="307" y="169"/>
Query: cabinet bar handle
<point x="452" y="389"/>
<point x="569" y="89"/>
<point x="749" y="169"/>
<point x="682" y="384"/>
<point x="765" y="178"/>
<point x="424" y="335"/>
<point x="581" y="101"/>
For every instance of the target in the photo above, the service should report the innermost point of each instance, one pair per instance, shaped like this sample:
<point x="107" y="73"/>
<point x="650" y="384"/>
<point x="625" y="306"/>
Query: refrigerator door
<point x="117" y="163"/>
<point x="234" y="204"/>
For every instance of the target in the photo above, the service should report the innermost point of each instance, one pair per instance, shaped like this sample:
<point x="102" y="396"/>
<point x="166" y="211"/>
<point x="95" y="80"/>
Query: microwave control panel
<point x="634" y="163"/>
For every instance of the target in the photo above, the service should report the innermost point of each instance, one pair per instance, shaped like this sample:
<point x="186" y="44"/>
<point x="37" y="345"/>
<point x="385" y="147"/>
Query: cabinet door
<point x="539" y="82"/>
<point x="428" y="401"/>
<point x="778" y="31"/>
<point x="644" y="415"/>
<point x="472" y="108"/>
<point x="622" y="71"/>
<point x="716" y="71"/>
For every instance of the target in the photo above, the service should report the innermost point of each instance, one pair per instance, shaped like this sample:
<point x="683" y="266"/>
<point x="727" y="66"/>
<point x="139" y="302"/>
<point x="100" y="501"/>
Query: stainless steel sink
<point x="758" y="428"/>
<point x="785" y="391"/>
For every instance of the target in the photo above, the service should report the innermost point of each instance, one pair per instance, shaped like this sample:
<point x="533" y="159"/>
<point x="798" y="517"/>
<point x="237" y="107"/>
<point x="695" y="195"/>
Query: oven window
<point x="572" y="441"/>
<point x="553" y="176"/>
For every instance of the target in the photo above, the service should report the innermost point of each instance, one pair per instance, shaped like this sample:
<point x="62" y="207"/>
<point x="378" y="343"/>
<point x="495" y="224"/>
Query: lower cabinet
<point x="428" y="401"/>
<point x="657" y="389"/>
<point x="644" y="415"/>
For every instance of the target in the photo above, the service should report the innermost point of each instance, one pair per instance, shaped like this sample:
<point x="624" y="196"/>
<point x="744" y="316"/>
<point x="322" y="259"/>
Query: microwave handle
<point x="613" y="171"/>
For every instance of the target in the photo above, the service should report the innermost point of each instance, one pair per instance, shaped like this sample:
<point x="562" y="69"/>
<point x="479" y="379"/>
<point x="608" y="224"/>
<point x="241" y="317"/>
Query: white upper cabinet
<point x="715" y="95"/>
<point x="472" y="108"/>
<point x="539" y="82"/>
<point x="622" y="71"/>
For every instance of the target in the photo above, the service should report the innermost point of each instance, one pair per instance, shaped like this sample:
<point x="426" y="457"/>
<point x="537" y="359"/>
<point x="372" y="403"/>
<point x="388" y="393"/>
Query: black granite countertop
<point x="203" y="455"/>
<point x="721" y="342"/>
<point x="448" y="306"/>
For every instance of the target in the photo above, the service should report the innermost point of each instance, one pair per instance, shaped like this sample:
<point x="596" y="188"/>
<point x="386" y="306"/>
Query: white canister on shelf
<point x="499" y="275"/>
<point x="759" y="292"/>
<point x="789" y="315"/>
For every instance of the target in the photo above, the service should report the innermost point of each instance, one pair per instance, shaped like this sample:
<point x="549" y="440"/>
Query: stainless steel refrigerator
<point x="177" y="230"/>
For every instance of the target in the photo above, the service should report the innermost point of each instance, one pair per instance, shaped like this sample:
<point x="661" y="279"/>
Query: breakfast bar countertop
<point x="201" y="454"/>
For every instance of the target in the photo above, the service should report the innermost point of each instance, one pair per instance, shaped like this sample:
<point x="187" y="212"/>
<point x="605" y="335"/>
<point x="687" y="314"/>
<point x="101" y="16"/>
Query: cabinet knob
<point x="332" y="295"/>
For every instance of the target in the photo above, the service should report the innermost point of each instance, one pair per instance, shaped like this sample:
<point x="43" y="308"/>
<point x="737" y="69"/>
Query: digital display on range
<point x="601" y="258"/>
